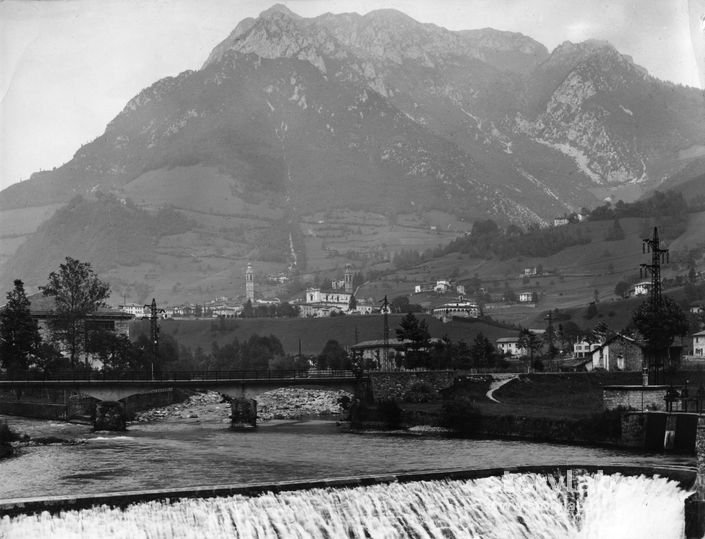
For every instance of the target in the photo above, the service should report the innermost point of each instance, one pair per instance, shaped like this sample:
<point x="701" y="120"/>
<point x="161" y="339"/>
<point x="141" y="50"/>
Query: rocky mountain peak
<point x="279" y="10"/>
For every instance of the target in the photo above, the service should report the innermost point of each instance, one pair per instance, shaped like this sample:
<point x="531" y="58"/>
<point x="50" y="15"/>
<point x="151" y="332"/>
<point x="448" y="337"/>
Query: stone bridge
<point x="244" y="388"/>
<point x="239" y="386"/>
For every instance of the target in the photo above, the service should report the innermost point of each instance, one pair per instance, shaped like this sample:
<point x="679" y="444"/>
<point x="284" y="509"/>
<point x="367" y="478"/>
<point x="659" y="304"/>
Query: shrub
<point x="461" y="416"/>
<point x="420" y="392"/>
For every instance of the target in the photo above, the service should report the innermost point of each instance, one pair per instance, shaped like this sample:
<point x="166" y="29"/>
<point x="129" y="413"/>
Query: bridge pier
<point x="110" y="415"/>
<point x="243" y="414"/>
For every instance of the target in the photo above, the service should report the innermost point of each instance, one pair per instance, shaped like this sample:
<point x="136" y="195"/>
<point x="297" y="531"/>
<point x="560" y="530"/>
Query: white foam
<point x="506" y="507"/>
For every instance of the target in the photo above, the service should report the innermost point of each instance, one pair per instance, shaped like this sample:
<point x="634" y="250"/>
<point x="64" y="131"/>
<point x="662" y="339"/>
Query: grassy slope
<point x="571" y="395"/>
<point x="313" y="332"/>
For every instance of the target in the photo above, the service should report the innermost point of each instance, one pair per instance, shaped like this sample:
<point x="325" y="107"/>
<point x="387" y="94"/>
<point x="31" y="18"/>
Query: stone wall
<point x="393" y="385"/>
<point x="634" y="397"/>
<point x="33" y="409"/>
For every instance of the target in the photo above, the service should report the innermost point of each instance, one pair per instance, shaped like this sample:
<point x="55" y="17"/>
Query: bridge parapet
<point x="242" y="384"/>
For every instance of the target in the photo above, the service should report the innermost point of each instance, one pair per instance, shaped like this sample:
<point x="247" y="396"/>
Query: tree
<point x="415" y="331"/>
<point x="659" y="324"/>
<point x="77" y="293"/>
<point x="615" y="232"/>
<point x="333" y="356"/>
<point x="247" y="310"/>
<point x="352" y="304"/>
<point x="529" y="341"/>
<point x="19" y="334"/>
<point x="621" y="289"/>
<point x="482" y="352"/>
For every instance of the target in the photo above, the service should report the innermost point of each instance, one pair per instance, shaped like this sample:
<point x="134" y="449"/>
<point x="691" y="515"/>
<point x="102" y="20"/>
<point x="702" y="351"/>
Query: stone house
<point x="618" y="353"/>
<point x="42" y="309"/>
<point x="699" y="344"/>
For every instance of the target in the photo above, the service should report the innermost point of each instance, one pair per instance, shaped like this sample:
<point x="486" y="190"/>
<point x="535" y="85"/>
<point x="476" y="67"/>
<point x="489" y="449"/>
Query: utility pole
<point x="154" y="331"/>
<point x="658" y="257"/>
<point x="549" y="331"/>
<point x="385" y="334"/>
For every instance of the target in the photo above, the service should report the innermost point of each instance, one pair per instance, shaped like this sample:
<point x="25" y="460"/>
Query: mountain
<point x="302" y="144"/>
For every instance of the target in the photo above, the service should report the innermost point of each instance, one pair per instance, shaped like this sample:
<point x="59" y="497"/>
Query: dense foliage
<point x="19" y="334"/>
<point x="488" y="240"/>
<point x="77" y="292"/>
<point x="660" y="324"/>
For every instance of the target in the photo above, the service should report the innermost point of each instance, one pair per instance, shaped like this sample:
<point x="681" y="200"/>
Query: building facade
<point x="618" y="353"/>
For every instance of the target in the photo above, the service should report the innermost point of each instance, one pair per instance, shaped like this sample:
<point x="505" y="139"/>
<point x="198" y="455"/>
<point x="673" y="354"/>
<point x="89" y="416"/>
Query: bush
<point x="461" y="416"/>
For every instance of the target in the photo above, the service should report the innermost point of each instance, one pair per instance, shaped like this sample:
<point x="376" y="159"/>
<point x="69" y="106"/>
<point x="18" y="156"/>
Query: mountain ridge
<point x="303" y="120"/>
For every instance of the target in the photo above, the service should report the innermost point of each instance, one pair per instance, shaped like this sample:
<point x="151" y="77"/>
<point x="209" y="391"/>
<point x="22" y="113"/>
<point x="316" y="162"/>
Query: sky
<point x="68" y="67"/>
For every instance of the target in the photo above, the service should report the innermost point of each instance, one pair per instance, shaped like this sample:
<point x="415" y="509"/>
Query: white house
<point x="338" y="299"/>
<point x="639" y="289"/>
<point x="526" y="297"/>
<point x="460" y="309"/>
<point x="138" y="310"/>
<point x="584" y="348"/>
<point x="699" y="344"/>
<point x="510" y="345"/>
<point x="560" y="221"/>
<point x="442" y="287"/>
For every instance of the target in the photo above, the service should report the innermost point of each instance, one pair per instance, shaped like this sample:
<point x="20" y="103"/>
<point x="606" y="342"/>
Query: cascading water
<point x="510" y="506"/>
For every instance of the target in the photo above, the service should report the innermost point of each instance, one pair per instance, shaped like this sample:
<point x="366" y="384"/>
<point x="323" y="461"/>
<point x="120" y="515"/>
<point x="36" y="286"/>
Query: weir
<point x="517" y="502"/>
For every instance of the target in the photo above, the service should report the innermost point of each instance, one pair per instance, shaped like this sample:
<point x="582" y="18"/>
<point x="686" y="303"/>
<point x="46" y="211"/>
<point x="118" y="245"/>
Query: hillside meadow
<point x="312" y="332"/>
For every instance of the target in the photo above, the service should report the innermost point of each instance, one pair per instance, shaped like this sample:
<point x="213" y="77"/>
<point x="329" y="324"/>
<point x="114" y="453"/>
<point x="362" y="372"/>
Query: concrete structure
<point x="618" y="353"/>
<point x="243" y="414"/>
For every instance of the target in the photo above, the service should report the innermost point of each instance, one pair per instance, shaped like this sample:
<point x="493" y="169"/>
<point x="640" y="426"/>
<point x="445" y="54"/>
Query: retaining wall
<point x="34" y="409"/>
<point x="393" y="385"/>
<point x="634" y="397"/>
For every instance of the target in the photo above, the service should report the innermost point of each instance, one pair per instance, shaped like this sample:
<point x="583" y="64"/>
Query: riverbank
<point x="283" y="403"/>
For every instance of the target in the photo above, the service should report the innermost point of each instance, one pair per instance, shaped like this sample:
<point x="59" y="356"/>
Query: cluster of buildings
<point x="616" y="352"/>
<point x="315" y="302"/>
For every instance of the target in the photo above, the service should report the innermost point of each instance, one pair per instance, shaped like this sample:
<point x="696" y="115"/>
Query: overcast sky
<point x="67" y="67"/>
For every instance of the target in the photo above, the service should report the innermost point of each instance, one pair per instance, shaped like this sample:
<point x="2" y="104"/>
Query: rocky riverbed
<point x="283" y="403"/>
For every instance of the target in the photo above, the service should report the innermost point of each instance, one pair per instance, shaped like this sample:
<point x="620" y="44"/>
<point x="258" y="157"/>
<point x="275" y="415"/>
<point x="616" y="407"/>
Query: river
<point x="200" y="453"/>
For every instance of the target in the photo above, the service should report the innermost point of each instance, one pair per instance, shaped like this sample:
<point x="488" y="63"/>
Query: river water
<point x="201" y="453"/>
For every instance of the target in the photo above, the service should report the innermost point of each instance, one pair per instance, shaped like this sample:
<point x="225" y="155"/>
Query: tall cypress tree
<point x="19" y="334"/>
